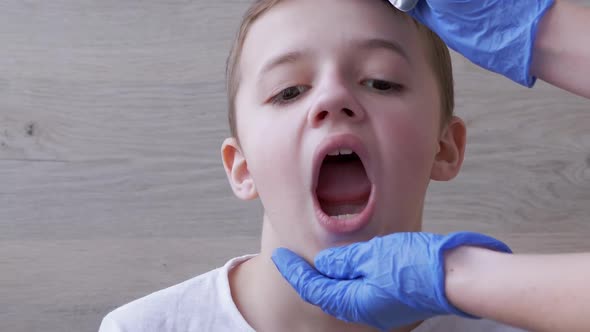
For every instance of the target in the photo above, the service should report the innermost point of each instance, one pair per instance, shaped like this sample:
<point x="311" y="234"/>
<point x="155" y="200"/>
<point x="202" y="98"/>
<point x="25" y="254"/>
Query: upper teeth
<point x="340" y="152"/>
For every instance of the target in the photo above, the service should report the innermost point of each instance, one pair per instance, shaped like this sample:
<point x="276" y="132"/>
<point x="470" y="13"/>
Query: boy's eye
<point x="381" y="85"/>
<point x="288" y="94"/>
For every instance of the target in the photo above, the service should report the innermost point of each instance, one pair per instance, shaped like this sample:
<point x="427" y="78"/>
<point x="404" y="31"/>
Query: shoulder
<point x="159" y="311"/>
<point x="174" y="308"/>
<point x="459" y="324"/>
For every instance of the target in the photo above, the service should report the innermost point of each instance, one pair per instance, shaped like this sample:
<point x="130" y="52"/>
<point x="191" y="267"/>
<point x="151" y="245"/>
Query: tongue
<point x="343" y="182"/>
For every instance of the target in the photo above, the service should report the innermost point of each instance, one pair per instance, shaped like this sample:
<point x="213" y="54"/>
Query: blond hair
<point x="438" y="56"/>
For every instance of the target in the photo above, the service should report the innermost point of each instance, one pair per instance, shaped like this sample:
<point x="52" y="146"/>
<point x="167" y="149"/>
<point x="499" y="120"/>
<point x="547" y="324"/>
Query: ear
<point x="451" y="150"/>
<point x="236" y="168"/>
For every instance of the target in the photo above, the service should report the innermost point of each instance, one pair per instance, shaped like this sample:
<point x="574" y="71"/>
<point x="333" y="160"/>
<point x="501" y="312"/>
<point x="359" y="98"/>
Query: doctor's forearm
<point x="562" y="48"/>
<point x="533" y="292"/>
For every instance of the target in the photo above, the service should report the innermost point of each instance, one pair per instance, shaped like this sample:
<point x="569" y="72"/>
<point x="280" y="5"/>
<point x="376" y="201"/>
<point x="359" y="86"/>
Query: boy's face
<point x="318" y="77"/>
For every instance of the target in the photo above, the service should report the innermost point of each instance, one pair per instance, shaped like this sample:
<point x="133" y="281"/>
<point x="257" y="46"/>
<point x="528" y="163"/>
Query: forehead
<point x="324" y="26"/>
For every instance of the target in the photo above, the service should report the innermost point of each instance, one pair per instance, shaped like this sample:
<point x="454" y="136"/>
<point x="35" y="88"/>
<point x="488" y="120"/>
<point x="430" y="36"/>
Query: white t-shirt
<point x="204" y="303"/>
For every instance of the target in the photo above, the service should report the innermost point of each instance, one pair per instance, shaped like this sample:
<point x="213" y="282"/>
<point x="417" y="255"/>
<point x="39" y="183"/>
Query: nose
<point x="336" y="102"/>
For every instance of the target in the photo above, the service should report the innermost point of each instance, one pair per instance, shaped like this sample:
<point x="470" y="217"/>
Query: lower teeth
<point x="345" y="216"/>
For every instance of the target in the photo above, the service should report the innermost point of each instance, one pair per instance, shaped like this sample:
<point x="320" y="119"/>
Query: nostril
<point x="348" y="112"/>
<point x="322" y="115"/>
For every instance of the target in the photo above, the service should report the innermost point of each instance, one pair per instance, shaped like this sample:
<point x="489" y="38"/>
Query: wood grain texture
<point x="111" y="186"/>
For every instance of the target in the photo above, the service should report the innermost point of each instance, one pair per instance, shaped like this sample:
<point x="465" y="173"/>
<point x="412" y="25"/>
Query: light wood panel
<point x="111" y="118"/>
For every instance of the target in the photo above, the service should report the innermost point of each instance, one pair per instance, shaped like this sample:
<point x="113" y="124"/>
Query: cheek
<point x="408" y="148"/>
<point x="409" y="145"/>
<point x="271" y="147"/>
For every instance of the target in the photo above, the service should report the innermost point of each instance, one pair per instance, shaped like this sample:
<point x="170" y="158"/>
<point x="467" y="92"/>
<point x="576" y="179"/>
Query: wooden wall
<point x="111" y="186"/>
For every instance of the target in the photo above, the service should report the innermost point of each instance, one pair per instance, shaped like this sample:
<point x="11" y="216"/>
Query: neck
<point x="269" y="303"/>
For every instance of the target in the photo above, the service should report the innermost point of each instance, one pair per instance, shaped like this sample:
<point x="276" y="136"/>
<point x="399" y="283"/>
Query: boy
<point x="341" y="114"/>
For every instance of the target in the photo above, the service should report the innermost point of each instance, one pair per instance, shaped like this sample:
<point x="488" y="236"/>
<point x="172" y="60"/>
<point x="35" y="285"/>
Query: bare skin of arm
<point x="533" y="292"/>
<point x="562" y="48"/>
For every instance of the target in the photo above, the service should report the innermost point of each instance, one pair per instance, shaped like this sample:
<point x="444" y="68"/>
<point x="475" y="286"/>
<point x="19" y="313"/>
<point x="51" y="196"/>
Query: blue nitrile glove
<point x="387" y="282"/>
<point x="497" y="35"/>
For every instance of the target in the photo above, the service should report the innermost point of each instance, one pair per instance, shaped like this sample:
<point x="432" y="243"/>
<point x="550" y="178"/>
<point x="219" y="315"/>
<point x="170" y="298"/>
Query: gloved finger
<point x="313" y="287"/>
<point x="443" y="4"/>
<point x="421" y="12"/>
<point x="347" y="262"/>
<point x="294" y="268"/>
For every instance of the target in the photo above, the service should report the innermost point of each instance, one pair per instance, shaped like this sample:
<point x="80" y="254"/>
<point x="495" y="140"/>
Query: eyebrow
<point x="378" y="43"/>
<point x="369" y="44"/>
<point x="290" y="57"/>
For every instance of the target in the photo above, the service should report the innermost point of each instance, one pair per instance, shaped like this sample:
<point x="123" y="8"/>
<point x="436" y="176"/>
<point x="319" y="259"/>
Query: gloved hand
<point x="497" y="35"/>
<point x="387" y="282"/>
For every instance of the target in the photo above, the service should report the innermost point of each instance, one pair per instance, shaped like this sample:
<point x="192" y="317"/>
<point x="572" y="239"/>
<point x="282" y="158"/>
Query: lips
<point x="343" y="189"/>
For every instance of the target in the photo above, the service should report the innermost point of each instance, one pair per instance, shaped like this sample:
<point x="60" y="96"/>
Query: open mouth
<point x="343" y="188"/>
